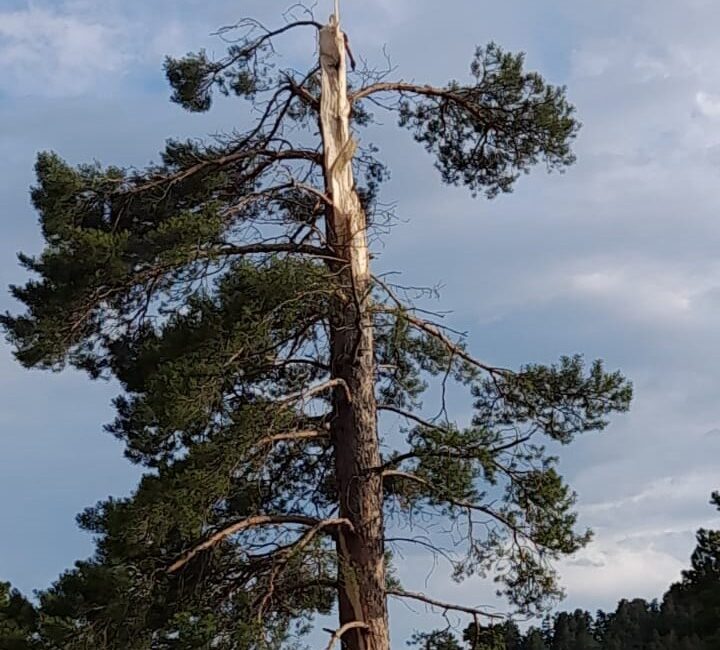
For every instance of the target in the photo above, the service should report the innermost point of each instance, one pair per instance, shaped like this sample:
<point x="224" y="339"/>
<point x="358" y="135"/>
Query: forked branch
<point x="338" y="634"/>
<point x="249" y="523"/>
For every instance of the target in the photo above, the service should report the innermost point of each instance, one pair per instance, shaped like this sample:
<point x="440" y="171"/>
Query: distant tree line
<point x="687" y="618"/>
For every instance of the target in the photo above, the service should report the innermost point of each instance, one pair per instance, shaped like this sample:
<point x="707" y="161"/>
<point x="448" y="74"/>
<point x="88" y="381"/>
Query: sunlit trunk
<point x="354" y="427"/>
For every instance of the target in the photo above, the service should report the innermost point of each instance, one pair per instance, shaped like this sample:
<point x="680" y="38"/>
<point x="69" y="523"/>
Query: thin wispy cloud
<point x="44" y="52"/>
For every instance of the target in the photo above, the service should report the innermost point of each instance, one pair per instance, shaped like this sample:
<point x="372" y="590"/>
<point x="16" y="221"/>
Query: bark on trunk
<point x="361" y="553"/>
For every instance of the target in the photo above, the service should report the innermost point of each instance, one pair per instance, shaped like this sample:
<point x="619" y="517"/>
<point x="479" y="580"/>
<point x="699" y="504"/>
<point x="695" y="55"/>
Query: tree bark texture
<point x="361" y="552"/>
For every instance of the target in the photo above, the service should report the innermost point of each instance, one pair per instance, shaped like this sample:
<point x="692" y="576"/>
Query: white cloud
<point x="614" y="573"/>
<point x="45" y="52"/>
<point x="636" y="294"/>
<point x="708" y="104"/>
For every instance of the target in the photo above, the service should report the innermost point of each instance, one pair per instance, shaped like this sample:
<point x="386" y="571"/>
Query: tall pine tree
<point x="229" y="290"/>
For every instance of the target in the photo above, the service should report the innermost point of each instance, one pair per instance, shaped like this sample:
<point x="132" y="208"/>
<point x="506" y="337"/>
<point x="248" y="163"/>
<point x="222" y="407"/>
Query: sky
<point x="617" y="258"/>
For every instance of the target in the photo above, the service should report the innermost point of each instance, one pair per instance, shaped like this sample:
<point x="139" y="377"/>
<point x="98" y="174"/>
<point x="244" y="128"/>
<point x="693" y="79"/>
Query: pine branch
<point x="390" y="408"/>
<point x="466" y="453"/>
<point x="454" y="348"/>
<point x="424" y="90"/>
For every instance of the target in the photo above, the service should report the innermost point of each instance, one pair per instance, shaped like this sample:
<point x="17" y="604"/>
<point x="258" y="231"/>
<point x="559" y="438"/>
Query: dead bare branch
<point x="446" y="607"/>
<point x="247" y="524"/>
<point x="315" y="390"/>
<point x="338" y="634"/>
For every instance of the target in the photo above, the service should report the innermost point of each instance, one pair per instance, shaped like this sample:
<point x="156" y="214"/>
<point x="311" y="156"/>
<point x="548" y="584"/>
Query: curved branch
<point x="456" y="349"/>
<point x="399" y="87"/>
<point x="269" y="34"/>
<point x="252" y="45"/>
<point x="435" y="550"/>
<point x="390" y="408"/>
<point x="240" y="526"/>
<point x="338" y="634"/>
<point x="420" y="89"/>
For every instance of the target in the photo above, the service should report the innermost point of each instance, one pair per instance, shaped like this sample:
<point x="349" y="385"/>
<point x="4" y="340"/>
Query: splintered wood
<point x="362" y="601"/>
<point x="348" y="221"/>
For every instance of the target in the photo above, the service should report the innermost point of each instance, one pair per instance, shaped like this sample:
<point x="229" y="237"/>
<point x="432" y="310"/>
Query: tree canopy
<point x="228" y="290"/>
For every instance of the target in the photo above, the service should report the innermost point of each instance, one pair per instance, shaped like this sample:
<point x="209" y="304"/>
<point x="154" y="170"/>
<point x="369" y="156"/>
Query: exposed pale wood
<point x="355" y="625"/>
<point x="239" y="527"/>
<point x="361" y="551"/>
<point x="316" y="525"/>
<point x="292" y="436"/>
<point x="340" y="147"/>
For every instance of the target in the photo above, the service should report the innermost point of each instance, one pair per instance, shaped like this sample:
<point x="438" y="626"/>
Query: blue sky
<point x="618" y="258"/>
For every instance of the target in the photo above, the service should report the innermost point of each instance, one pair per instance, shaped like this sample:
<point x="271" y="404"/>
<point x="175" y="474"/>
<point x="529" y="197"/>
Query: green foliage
<point x="559" y="400"/>
<point x="687" y="619"/>
<point x="18" y="620"/>
<point x="501" y="636"/>
<point x="457" y="469"/>
<point x="192" y="378"/>
<point x="209" y="287"/>
<point x="485" y="135"/>
<point x="441" y="640"/>
<point x="194" y="76"/>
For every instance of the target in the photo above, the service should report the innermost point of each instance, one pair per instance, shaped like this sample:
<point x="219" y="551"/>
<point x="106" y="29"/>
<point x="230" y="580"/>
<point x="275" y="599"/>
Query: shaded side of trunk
<point x="361" y="553"/>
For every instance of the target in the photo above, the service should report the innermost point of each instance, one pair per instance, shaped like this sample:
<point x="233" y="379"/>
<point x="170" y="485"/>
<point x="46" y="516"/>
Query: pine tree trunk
<point x="361" y="553"/>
